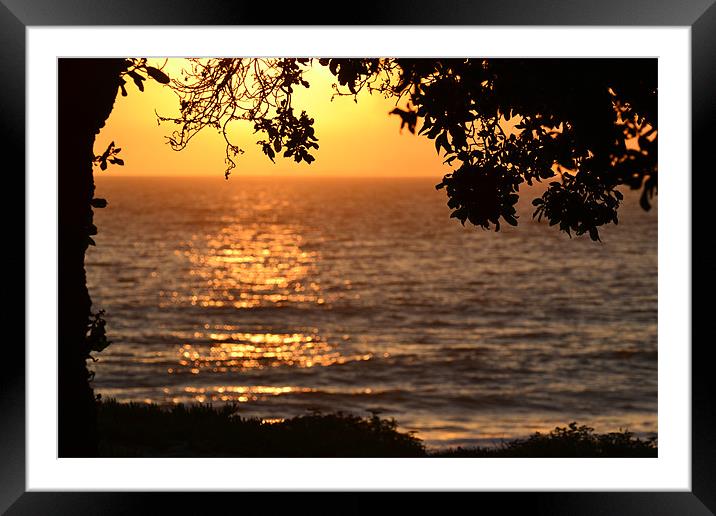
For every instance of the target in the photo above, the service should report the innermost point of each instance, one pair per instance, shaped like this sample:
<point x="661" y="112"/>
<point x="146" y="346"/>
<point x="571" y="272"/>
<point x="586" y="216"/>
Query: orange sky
<point x="355" y="139"/>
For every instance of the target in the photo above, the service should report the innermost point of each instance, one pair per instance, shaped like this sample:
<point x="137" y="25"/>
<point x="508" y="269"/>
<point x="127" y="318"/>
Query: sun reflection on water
<point x="240" y="351"/>
<point x="240" y="393"/>
<point x="248" y="267"/>
<point x="251" y="267"/>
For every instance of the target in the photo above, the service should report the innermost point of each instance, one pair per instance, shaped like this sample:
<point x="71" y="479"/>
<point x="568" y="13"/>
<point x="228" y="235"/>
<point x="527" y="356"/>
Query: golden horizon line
<point x="237" y="175"/>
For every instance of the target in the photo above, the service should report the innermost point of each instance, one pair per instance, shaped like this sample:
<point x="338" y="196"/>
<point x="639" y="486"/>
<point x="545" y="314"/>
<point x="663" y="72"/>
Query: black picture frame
<point x="699" y="15"/>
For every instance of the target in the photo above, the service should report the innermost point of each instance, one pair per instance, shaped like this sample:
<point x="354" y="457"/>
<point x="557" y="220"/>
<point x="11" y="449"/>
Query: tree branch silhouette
<point x="589" y="125"/>
<point x="215" y="93"/>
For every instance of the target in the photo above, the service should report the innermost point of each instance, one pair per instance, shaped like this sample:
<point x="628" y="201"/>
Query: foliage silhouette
<point x="570" y="441"/>
<point x="141" y="429"/>
<point x="588" y="126"/>
<point x="131" y="429"/>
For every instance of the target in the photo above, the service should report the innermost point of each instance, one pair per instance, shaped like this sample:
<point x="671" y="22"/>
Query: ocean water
<point x="290" y="295"/>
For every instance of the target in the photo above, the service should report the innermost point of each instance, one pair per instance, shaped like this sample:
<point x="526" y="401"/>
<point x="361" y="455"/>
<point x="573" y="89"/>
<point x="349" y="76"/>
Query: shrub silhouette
<point x="569" y="441"/>
<point x="139" y="429"/>
<point x="203" y="431"/>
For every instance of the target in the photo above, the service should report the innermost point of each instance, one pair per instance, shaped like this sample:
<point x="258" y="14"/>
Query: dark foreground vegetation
<point x="148" y="430"/>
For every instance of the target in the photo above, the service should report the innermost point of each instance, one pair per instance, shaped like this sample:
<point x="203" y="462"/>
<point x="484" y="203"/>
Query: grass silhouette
<point x="148" y="430"/>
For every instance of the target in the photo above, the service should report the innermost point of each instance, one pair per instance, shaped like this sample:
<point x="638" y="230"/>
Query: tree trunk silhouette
<point x="87" y="89"/>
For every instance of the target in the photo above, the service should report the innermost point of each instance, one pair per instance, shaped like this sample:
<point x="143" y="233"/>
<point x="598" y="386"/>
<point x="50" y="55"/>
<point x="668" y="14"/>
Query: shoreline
<point x="434" y="430"/>
<point x="148" y="430"/>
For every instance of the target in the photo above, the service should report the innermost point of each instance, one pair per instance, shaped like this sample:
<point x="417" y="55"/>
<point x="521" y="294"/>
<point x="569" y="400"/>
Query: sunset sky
<point x="356" y="139"/>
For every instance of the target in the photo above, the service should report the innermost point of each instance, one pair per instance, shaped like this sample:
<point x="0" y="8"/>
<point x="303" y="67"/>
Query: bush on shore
<point x="137" y="429"/>
<point x="569" y="441"/>
<point x="148" y="430"/>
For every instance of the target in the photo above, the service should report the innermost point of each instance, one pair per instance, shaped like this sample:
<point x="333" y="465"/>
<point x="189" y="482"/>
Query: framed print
<point x="254" y="227"/>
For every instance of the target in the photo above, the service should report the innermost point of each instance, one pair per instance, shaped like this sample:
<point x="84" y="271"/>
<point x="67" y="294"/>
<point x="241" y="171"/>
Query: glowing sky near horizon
<point x="356" y="139"/>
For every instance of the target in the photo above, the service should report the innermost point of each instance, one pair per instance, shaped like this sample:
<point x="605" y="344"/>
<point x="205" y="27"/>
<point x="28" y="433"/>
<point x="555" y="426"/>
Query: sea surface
<point x="293" y="295"/>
